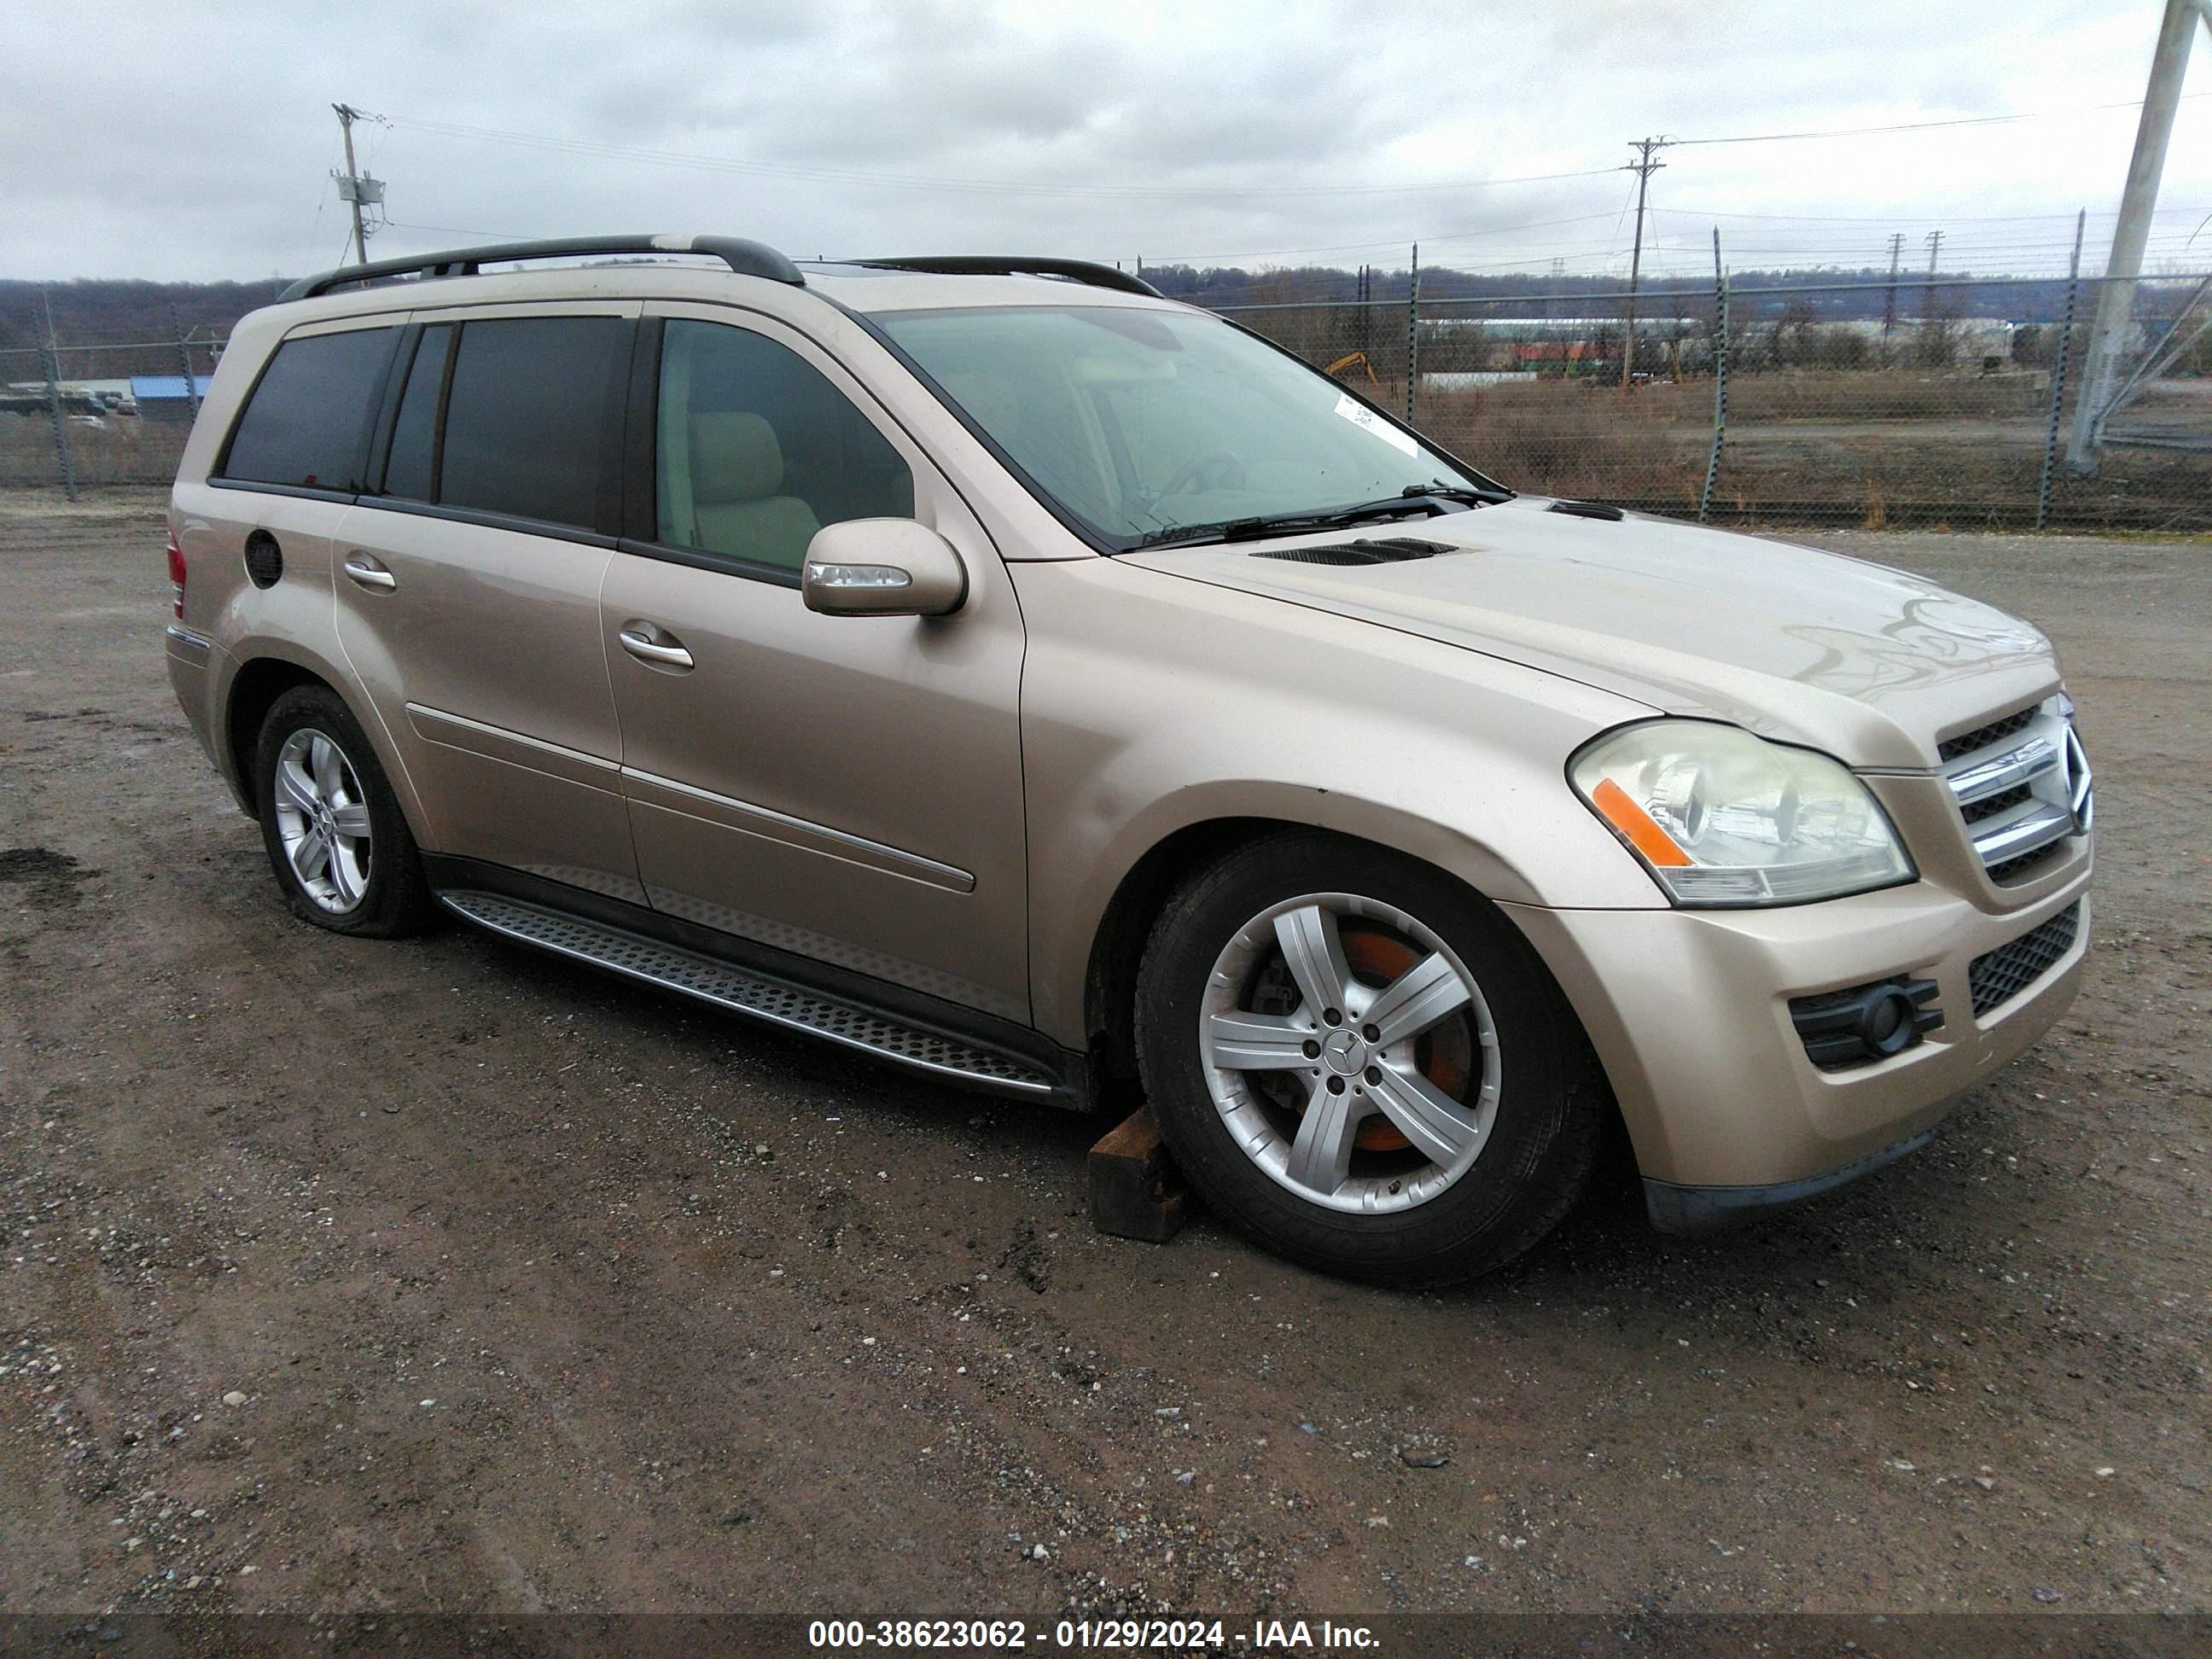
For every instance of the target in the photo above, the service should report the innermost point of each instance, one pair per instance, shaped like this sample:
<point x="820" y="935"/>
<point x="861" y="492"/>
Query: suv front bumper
<point x="1689" y="1012"/>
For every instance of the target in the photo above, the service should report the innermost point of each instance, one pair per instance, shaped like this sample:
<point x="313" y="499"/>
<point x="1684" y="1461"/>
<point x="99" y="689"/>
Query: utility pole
<point x="1643" y="166"/>
<point x="356" y="189"/>
<point x="2117" y="298"/>
<point x="1889" y="302"/>
<point x="347" y="114"/>
<point x="1930" y="347"/>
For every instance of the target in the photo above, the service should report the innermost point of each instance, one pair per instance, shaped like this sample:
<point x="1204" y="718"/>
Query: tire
<point x="316" y="779"/>
<point x="1502" y="1140"/>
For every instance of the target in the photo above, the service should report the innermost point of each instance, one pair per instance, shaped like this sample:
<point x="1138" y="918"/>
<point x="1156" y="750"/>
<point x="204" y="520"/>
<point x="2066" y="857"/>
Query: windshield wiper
<point x="1290" y="524"/>
<point x="1466" y="493"/>
<point x="1413" y="498"/>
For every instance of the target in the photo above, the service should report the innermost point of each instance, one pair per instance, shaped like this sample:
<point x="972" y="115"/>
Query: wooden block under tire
<point x="1135" y="1192"/>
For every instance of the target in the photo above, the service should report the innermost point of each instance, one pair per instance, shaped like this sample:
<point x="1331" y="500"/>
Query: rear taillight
<point x="176" y="576"/>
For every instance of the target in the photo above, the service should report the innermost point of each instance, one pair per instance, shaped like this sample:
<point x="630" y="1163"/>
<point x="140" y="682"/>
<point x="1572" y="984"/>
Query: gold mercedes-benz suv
<point x="997" y="668"/>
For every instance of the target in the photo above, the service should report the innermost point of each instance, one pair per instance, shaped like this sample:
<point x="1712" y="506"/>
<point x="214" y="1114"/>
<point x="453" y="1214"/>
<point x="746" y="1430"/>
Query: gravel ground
<point x="343" y="1275"/>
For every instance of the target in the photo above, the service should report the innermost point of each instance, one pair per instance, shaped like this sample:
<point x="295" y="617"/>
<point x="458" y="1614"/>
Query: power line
<point x="1924" y="126"/>
<point x="1904" y="218"/>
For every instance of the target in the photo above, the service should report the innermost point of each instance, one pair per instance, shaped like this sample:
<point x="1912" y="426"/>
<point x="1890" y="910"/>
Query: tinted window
<point x="409" y="472"/>
<point x="307" y="420"/>
<point x="526" y="424"/>
<point x="758" y="450"/>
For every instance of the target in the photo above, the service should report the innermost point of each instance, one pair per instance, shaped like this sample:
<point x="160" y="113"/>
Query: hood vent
<point x="1588" y="510"/>
<point x="1390" y="549"/>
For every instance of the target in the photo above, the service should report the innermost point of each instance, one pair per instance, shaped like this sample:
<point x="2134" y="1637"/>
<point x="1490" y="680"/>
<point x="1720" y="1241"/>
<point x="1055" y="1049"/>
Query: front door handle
<point x="367" y="571"/>
<point x="649" y="643"/>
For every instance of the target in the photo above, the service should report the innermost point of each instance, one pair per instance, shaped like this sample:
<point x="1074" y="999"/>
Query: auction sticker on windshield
<point x="1350" y="409"/>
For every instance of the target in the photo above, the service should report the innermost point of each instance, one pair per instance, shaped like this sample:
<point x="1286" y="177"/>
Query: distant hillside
<point x="110" y="313"/>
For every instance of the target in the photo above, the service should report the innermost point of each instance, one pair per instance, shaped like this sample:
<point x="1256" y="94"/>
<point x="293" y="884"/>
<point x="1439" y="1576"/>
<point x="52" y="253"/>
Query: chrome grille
<point x="2023" y="788"/>
<point x="730" y="987"/>
<point x="1997" y="977"/>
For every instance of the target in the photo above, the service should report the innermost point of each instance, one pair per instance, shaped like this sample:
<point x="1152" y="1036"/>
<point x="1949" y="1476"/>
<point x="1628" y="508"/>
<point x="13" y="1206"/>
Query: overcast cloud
<point x="178" y="141"/>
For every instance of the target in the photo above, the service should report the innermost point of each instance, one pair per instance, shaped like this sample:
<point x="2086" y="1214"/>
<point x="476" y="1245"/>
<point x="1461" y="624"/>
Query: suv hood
<point x="1868" y="663"/>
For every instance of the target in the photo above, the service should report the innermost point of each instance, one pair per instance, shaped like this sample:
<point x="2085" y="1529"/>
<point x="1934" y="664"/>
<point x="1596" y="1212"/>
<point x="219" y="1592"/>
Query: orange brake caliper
<point x="1378" y="957"/>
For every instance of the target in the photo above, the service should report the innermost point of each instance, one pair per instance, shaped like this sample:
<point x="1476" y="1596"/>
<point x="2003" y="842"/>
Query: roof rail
<point x="986" y="264"/>
<point x="744" y="258"/>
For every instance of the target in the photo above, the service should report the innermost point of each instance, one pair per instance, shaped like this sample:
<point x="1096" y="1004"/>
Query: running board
<point x="757" y="995"/>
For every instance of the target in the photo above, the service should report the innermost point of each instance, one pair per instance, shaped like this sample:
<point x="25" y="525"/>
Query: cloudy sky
<point x="165" y="139"/>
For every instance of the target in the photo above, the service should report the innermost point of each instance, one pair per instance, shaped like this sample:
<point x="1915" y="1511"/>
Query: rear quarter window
<point x="305" y="423"/>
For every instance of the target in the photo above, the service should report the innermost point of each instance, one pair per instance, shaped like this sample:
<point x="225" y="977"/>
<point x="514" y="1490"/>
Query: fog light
<point x="1887" y="1025"/>
<point x="1867" y="1022"/>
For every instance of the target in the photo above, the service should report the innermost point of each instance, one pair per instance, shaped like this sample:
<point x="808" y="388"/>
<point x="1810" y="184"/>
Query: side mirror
<point x="883" y="568"/>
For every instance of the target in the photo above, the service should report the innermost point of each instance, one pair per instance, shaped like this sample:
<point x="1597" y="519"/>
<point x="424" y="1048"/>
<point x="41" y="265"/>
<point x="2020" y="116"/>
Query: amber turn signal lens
<point x="1633" y="822"/>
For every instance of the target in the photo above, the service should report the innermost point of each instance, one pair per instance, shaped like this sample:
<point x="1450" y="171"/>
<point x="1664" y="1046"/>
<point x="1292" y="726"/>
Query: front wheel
<point x="1359" y="1063"/>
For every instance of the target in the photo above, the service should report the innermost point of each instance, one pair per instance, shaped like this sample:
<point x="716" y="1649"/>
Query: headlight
<point x="1722" y="817"/>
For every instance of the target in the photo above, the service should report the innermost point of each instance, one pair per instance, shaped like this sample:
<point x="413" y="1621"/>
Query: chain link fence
<point x="1919" y="403"/>
<point x="87" y="410"/>
<point x="1929" y="403"/>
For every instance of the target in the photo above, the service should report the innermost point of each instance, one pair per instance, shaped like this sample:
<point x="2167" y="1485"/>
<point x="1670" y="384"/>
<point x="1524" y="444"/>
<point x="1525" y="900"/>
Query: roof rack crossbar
<point x="746" y="259"/>
<point x="986" y="264"/>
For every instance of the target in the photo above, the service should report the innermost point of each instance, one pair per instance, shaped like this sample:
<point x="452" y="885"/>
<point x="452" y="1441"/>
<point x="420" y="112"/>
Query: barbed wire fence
<point x="1738" y="403"/>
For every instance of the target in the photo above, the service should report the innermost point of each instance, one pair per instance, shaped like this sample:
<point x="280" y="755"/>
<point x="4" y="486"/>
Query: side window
<point x="308" y="419"/>
<point x="756" y="451"/>
<point x="411" y="470"/>
<point x="526" y="424"/>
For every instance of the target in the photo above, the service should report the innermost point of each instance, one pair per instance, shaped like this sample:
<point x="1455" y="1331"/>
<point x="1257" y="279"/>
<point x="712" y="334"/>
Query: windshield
<point x="1144" y="423"/>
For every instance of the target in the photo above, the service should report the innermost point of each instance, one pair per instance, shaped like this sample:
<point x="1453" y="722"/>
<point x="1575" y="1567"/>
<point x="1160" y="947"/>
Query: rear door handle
<point x="369" y="573"/>
<point x="650" y="643"/>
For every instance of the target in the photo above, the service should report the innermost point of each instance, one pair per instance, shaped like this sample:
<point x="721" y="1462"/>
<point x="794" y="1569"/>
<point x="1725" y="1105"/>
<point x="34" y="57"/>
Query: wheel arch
<point x="253" y="689"/>
<point x="1118" y="942"/>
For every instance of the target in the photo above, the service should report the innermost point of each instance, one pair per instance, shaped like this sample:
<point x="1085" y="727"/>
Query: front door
<point x="848" y="789"/>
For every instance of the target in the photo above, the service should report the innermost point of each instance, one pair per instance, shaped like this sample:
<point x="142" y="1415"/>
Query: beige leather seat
<point x="736" y="475"/>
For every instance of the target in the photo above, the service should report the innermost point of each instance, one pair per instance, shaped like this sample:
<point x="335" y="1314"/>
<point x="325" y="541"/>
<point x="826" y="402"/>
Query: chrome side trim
<point x="183" y="643"/>
<point x="515" y="748"/>
<point x="754" y="995"/>
<point x="805" y="833"/>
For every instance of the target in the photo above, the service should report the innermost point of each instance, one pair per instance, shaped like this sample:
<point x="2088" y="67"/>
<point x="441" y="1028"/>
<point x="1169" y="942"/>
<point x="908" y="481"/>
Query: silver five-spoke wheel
<point x="1350" y="1053"/>
<point x="322" y="821"/>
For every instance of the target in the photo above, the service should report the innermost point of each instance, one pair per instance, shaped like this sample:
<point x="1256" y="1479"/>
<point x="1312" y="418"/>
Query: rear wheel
<point x="335" y="835"/>
<point x="1358" y="1062"/>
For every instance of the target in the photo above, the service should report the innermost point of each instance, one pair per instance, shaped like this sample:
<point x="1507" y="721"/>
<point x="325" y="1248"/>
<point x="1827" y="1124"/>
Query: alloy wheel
<point x="322" y="821"/>
<point x="1350" y="1053"/>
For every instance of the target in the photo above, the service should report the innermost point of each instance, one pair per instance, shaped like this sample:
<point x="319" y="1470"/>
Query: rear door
<point x="845" y="788"/>
<point x="468" y="585"/>
<point x="285" y="479"/>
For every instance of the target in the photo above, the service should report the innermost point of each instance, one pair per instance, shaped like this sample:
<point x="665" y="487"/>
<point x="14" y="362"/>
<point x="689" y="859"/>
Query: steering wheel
<point x="1193" y="471"/>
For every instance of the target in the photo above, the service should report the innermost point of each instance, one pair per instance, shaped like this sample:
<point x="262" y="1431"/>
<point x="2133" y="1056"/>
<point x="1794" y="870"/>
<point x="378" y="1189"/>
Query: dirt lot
<point x="437" y="1274"/>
